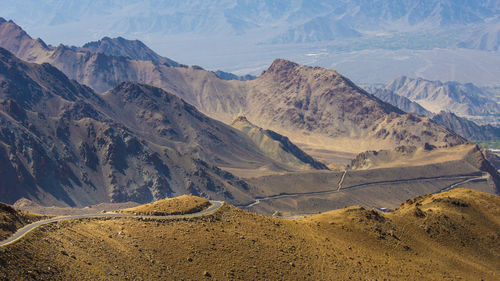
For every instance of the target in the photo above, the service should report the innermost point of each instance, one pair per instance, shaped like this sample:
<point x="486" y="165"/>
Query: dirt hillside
<point x="449" y="236"/>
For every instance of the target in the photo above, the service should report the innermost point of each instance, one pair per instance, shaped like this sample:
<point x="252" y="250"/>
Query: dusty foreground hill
<point x="184" y="204"/>
<point x="449" y="236"/>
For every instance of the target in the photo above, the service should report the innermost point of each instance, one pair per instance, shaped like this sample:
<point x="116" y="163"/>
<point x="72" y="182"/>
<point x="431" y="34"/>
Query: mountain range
<point x="456" y="102"/>
<point x="292" y="100"/>
<point x="434" y="96"/>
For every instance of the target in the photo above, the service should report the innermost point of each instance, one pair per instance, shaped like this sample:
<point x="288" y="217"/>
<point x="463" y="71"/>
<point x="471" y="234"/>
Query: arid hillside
<point x="277" y="146"/>
<point x="184" y="204"/>
<point x="449" y="236"/>
<point x="12" y="219"/>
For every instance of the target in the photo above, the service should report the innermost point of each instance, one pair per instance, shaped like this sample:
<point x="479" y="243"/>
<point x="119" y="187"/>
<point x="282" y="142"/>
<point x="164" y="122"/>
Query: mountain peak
<point x="281" y="66"/>
<point x="119" y="46"/>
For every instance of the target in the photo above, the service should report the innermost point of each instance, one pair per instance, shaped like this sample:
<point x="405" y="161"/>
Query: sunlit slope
<point x="453" y="235"/>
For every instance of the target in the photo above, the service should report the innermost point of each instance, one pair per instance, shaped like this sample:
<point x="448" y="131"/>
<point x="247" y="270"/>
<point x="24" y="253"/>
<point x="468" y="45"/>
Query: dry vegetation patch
<point x="232" y="244"/>
<point x="185" y="204"/>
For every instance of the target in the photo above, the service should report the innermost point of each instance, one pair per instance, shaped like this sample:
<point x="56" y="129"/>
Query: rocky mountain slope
<point x="315" y="102"/>
<point x="277" y="146"/>
<point x="452" y="235"/>
<point x="315" y="106"/>
<point x="435" y="96"/>
<point x="63" y="144"/>
<point x="460" y="125"/>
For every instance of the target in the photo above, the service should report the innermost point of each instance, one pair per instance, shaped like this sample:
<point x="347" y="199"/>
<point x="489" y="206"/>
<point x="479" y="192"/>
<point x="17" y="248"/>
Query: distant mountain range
<point x="305" y="20"/>
<point x="451" y="98"/>
<point x="467" y="129"/>
<point x="435" y="96"/>
<point x="484" y="37"/>
<point x="331" y="34"/>
<point x="64" y="143"/>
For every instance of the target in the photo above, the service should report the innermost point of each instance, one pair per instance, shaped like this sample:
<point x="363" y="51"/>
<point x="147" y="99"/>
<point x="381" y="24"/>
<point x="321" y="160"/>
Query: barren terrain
<point x="450" y="236"/>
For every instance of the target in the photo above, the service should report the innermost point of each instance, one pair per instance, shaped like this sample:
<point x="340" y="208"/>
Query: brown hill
<point x="449" y="236"/>
<point x="321" y="107"/>
<point x="185" y="204"/>
<point x="313" y="106"/>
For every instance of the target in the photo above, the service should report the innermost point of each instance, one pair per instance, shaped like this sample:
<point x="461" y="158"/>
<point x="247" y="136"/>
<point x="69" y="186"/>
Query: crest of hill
<point x="453" y="235"/>
<point x="185" y="204"/>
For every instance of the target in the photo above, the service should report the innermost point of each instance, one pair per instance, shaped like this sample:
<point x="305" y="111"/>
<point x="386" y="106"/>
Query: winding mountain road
<point x="20" y="233"/>
<point x="463" y="179"/>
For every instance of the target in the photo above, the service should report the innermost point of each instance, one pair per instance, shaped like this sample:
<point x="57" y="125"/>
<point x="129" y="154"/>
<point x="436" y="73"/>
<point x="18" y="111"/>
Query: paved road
<point x="27" y="228"/>
<point x="463" y="179"/>
<point x="341" y="181"/>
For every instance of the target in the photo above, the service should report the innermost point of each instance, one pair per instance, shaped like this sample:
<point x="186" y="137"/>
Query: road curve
<point x="28" y="228"/>
<point x="463" y="179"/>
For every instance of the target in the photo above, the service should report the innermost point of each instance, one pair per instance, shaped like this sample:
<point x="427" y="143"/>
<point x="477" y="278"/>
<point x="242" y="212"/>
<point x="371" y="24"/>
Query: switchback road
<point x="27" y="228"/>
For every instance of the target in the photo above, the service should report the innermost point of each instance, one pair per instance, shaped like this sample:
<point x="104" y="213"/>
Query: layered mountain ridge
<point x="311" y="105"/>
